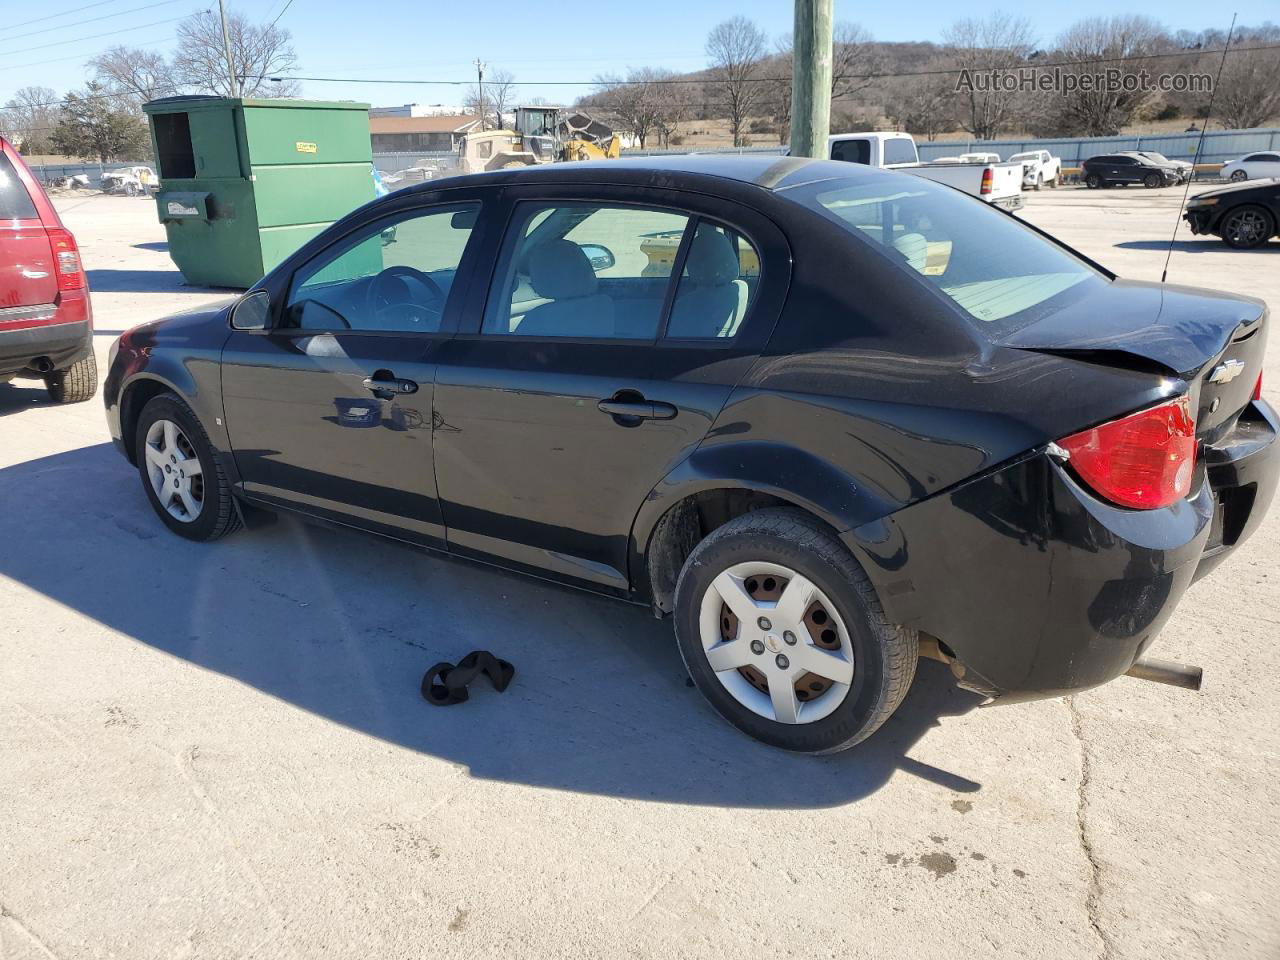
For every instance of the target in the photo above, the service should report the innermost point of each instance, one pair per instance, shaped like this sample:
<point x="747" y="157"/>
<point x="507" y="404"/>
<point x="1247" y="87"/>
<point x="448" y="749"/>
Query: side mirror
<point x="601" y="257"/>
<point x="388" y="236"/>
<point x="253" y="312"/>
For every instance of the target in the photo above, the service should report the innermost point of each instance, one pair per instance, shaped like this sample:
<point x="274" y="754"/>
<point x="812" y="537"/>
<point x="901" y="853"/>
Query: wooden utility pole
<point x="480" y="90"/>
<point x="811" y="79"/>
<point x="233" y="80"/>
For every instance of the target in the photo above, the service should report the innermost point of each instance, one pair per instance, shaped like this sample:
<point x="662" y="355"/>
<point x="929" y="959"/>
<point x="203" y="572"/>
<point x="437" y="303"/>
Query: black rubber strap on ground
<point x="444" y="684"/>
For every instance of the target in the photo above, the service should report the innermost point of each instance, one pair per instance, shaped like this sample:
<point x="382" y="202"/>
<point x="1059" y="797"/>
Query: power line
<point x="105" y="16"/>
<point x="54" y="16"/>
<point x="1032" y="64"/>
<point x="281" y="13"/>
<point x="95" y="36"/>
<point x="75" y="56"/>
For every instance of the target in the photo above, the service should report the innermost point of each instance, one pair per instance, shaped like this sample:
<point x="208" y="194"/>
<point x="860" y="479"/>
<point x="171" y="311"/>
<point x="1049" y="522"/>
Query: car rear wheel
<point x="77" y="383"/>
<point x="1039" y="180"/>
<point x="1152" y="180"/>
<point x="1238" y="175"/>
<point x="1247" y="226"/>
<point x="1093" y="181"/>
<point x="181" y="473"/>
<point x="782" y="632"/>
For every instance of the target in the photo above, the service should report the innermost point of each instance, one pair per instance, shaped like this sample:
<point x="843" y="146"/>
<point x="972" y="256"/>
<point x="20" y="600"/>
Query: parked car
<point x="1184" y="169"/>
<point x="46" y="322"/>
<point x="1244" y="215"/>
<point x="980" y="158"/>
<point x="996" y="183"/>
<point x="818" y="466"/>
<point x="1038" y="168"/>
<point x="1121" y="169"/>
<point x="1256" y="166"/>
<point x="136" y="181"/>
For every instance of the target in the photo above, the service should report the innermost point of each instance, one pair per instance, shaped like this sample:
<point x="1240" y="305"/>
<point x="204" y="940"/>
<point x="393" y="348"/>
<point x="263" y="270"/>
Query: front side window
<point x="393" y="275"/>
<point x="1000" y="273"/>
<point x="584" y="270"/>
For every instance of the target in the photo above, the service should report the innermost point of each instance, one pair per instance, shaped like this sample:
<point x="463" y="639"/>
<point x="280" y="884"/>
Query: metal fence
<point x="47" y="173"/>
<point x="1219" y="146"/>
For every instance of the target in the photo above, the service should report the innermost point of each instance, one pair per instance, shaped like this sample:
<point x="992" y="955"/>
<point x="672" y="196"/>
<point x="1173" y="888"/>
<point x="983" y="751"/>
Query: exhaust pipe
<point x="1167" y="671"/>
<point x="42" y="365"/>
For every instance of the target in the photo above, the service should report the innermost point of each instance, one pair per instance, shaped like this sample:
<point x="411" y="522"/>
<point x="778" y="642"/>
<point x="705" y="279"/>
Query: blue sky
<point x="536" y="41"/>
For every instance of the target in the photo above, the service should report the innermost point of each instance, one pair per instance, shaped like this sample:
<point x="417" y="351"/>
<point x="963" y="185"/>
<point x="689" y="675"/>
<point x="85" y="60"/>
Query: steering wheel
<point x="391" y="293"/>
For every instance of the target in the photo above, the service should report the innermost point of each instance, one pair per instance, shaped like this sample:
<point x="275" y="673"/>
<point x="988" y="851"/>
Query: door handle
<point x="638" y="409"/>
<point x="384" y="386"/>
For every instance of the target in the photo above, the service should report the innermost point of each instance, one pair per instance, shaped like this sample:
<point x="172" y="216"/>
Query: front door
<point x="330" y="410"/>
<point x="591" y="376"/>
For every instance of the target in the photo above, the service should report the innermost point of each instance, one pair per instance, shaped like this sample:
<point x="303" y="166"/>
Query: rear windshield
<point x="1001" y="274"/>
<point x="14" y="202"/>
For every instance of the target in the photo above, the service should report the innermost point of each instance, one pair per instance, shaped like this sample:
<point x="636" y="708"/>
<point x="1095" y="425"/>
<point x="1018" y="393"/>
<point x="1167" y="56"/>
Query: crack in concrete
<point x="1093" y="898"/>
<point x="26" y="931"/>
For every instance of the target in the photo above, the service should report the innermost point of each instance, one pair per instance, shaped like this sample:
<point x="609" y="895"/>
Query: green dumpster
<point x="244" y="183"/>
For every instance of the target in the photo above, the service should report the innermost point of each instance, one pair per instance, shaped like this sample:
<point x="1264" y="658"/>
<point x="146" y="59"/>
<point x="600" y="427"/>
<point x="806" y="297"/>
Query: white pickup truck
<point x="998" y="183"/>
<point x="1038" y="168"/>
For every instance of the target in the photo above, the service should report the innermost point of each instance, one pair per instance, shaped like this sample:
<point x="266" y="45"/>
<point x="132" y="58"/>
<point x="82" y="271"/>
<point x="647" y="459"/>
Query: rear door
<point x="28" y="275"/>
<point x="588" y="374"/>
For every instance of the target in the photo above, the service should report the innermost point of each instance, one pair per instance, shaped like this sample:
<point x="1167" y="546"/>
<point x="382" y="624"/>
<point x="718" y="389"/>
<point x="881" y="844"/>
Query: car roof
<point x="768" y="171"/>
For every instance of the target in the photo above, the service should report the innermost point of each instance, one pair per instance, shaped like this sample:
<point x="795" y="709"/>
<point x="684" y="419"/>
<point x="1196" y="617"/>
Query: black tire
<point x="1093" y="182"/>
<point x="76" y="384"/>
<point x="1247" y="226"/>
<point x="1239" y="175"/>
<point x="1152" y="180"/>
<point x="885" y="654"/>
<point x="218" y="516"/>
<point x="1039" y="181"/>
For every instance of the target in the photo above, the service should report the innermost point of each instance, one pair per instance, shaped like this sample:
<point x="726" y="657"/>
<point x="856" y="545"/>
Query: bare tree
<point x="1248" y="93"/>
<point x="135" y="74"/>
<point x="258" y="52"/>
<point x="1103" y="110"/>
<point x="499" y="98"/>
<point x="736" y="48"/>
<point x="923" y="106"/>
<point x="644" y="104"/>
<point x="999" y="42"/>
<point x="855" y="59"/>
<point x="28" y="118"/>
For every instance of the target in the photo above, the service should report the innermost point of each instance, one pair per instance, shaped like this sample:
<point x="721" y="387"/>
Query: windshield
<point x="999" y="273"/>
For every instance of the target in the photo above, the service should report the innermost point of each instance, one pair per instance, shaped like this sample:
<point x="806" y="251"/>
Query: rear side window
<point x="597" y="271"/>
<point x="851" y="151"/>
<point x="999" y="273"/>
<point x="719" y="281"/>
<point x="15" y="204"/>
<point x="899" y="151"/>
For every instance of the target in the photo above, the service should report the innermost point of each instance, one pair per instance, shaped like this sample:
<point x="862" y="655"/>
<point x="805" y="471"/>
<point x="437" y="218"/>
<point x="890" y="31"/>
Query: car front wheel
<point x="1246" y="227"/>
<point x="783" y="633"/>
<point x="181" y="473"/>
<point x="1152" y="180"/>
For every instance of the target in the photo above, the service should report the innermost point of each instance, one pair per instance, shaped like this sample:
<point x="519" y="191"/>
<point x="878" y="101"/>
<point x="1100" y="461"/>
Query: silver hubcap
<point x="776" y="642"/>
<point x="174" y="471"/>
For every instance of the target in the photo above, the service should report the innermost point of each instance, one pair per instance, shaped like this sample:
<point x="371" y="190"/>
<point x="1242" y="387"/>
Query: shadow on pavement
<point x="344" y="626"/>
<point x="159" y="245"/>
<point x="19" y="395"/>
<point x="145" y="281"/>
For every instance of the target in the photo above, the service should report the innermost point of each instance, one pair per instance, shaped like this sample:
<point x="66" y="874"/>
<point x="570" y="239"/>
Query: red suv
<point x="46" y="323"/>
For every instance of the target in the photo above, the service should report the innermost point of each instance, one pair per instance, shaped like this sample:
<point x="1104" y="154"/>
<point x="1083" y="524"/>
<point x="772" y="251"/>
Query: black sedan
<point x="1244" y="215"/>
<point x="826" y="417"/>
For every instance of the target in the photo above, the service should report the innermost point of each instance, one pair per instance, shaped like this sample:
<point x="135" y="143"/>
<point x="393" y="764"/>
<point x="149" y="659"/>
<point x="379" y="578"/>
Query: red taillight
<point x="988" y="181"/>
<point x="67" y="256"/>
<point x="1144" y="460"/>
<point x="1257" y="388"/>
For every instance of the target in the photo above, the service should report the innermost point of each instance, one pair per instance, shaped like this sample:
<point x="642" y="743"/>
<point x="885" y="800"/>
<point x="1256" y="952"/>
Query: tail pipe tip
<point x="1167" y="671"/>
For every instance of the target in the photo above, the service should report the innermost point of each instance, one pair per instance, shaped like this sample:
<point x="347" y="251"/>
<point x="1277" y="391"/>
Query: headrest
<point x="559" y="269"/>
<point x="712" y="260"/>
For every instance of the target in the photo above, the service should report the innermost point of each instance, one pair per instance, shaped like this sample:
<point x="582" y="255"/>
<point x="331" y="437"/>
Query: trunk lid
<point x="1213" y="341"/>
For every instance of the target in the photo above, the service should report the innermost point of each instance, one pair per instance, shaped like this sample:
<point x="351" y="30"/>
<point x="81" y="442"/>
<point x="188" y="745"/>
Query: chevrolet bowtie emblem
<point x="1227" y="371"/>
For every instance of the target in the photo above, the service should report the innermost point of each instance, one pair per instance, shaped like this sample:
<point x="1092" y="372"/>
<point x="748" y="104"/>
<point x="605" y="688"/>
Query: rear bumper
<point x="1039" y="587"/>
<point x="62" y="344"/>
<point x="1010" y="203"/>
